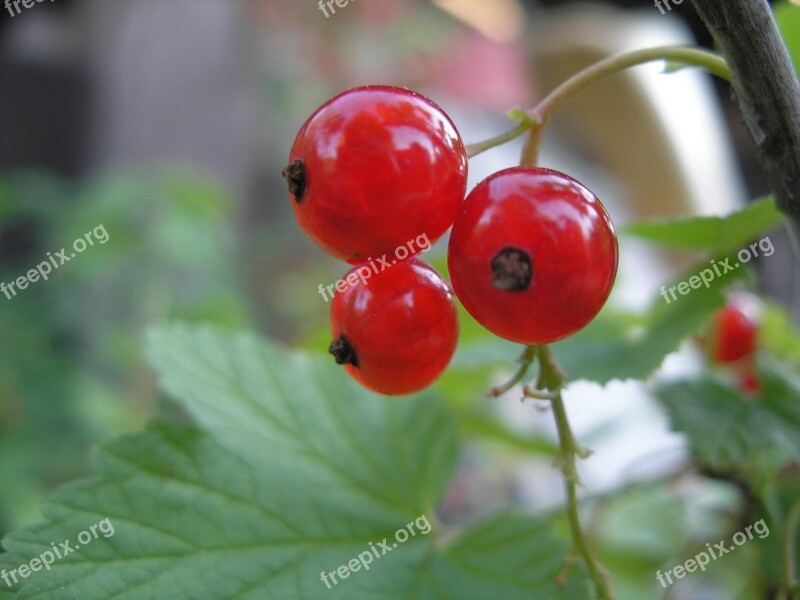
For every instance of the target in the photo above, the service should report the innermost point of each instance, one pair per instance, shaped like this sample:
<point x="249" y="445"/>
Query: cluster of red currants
<point x="532" y="253"/>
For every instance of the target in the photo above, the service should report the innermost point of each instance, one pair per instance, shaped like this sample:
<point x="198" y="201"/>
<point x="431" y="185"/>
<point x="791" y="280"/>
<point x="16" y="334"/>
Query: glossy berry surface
<point x="733" y="334"/>
<point x="373" y="168"/>
<point x="397" y="333"/>
<point x="533" y="255"/>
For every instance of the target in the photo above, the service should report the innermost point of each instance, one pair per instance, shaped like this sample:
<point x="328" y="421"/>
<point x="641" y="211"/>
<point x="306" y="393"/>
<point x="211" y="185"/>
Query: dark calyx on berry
<point x="511" y="270"/>
<point x="343" y="352"/>
<point x="295" y="176"/>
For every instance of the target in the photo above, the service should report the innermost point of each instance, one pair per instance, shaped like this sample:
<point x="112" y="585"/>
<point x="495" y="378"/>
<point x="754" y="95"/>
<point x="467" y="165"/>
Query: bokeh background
<point x="168" y="122"/>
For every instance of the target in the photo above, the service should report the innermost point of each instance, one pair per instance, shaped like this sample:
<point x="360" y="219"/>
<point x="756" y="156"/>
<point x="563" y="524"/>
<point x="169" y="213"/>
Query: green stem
<point x="597" y="572"/>
<point x="551" y="379"/>
<point x="683" y="55"/>
<point x="525" y="360"/>
<point x="541" y="114"/>
<point x="498" y="140"/>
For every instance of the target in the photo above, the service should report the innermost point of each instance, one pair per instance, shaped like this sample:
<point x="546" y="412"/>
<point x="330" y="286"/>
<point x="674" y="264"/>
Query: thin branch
<point x="551" y="379"/>
<point x="525" y="360"/>
<point x="540" y="115"/>
<point x="684" y="56"/>
<point x="477" y="147"/>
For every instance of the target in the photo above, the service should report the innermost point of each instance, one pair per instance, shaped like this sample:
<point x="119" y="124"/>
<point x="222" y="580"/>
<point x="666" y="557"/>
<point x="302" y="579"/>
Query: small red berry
<point x="733" y="332"/>
<point x="397" y="333"/>
<point x="533" y="255"/>
<point x="373" y="168"/>
<point x="748" y="381"/>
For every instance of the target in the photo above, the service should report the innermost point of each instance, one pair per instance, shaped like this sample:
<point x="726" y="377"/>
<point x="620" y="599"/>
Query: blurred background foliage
<point x="73" y="373"/>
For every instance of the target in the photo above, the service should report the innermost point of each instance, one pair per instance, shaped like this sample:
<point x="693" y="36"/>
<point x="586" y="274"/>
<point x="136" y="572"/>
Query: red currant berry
<point x="373" y="168"/>
<point x="733" y="332"/>
<point x="748" y="381"/>
<point x="397" y="333"/>
<point x="533" y="255"/>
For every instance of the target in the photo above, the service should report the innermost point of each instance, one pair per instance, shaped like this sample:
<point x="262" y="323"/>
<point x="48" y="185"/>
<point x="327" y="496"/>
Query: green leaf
<point x="787" y="16"/>
<point x="783" y="498"/>
<point x="714" y="234"/>
<point x="262" y="398"/>
<point x="291" y="470"/>
<point x="642" y="529"/>
<point x="778" y="335"/>
<point x="727" y="428"/>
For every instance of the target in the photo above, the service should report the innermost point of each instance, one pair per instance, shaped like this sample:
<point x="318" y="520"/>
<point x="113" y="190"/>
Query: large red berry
<point x="733" y="332"/>
<point x="533" y="255"/>
<point x="373" y="168"/>
<point x="397" y="333"/>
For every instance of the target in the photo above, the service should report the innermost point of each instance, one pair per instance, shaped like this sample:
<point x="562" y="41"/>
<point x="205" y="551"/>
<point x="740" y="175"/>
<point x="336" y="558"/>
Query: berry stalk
<point x="551" y="381"/>
<point x="549" y="384"/>
<point x="535" y="120"/>
<point x="676" y="57"/>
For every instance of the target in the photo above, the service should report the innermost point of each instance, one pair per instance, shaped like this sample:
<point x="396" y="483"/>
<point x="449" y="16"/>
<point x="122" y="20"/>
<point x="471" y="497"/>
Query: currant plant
<point x="288" y="468"/>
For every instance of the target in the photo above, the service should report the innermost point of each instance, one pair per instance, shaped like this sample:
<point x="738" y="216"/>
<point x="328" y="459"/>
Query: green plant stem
<point x="525" y="360"/>
<point x="499" y="140"/>
<point x="543" y="113"/>
<point x="540" y="115"/>
<point x="551" y="379"/>
<point x="597" y="572"/>
<point x="682" y="55"/>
